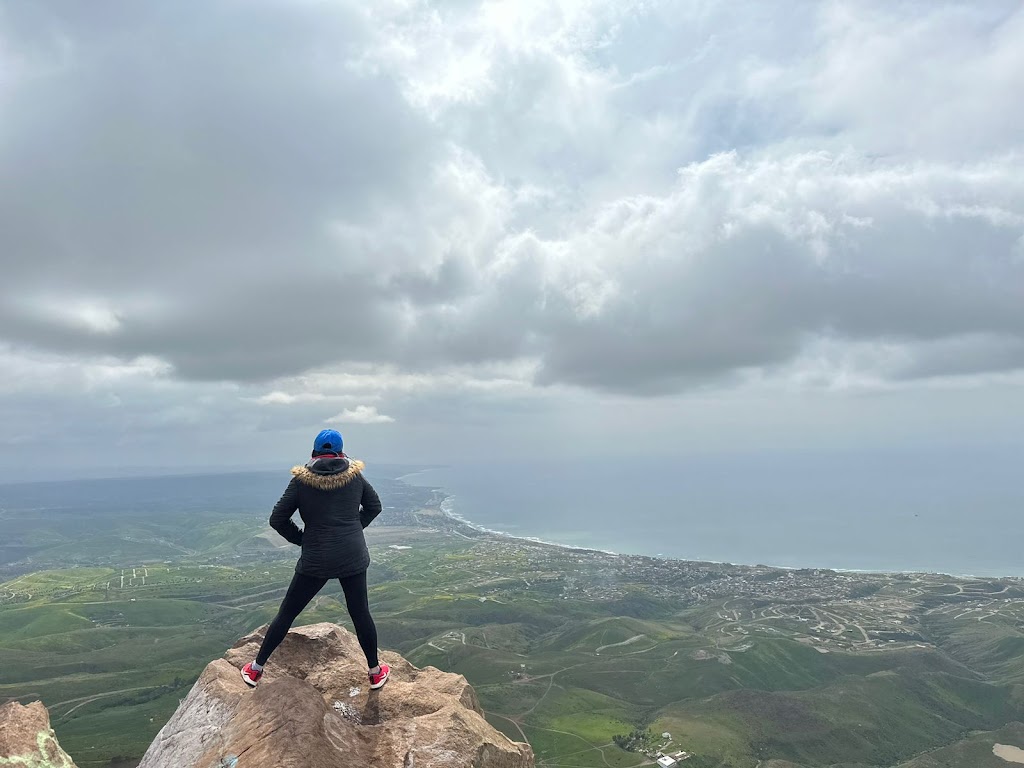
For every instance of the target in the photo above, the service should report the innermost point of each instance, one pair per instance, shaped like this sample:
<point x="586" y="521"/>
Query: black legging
<point x="301" y="591"/>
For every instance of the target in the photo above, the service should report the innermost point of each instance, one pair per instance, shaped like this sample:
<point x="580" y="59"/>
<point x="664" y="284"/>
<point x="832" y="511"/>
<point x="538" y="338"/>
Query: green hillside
<point x="582" y="654"/>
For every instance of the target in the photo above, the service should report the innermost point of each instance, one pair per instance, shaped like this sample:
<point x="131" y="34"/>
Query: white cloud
<point x="462" y="55"/>
<point x="283" y="398"/>
<point x="24" y="371"/>
<point x="277" y="398"/>
<point x="927" y="84"/>
<point x="361" y="414"/>
<point x="93" y="316"/>
<point x="563" y="206"/>
<point x="748" y="259"/>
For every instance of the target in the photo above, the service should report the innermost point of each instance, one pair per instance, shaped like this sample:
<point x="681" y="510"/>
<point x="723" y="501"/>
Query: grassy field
<point x="976" y="751"/>
<point x="111" y="663"/>
<point x="112" y="658"/>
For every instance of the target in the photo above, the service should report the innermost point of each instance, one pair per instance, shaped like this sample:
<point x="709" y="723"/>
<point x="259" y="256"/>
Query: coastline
<point x="446" y="508"/>
<point x="446" y="505"/>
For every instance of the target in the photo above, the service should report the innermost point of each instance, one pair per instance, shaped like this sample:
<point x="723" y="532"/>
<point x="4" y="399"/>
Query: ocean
<point x="941" y="513"/>
<point x="957" y="513"/>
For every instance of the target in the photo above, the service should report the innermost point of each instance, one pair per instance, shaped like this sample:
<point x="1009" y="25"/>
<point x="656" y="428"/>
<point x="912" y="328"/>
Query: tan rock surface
<point x="314" y="709"/>
<point x="26" y="739"/>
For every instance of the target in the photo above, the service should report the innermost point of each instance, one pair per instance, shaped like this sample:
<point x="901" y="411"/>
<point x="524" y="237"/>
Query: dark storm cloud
<point x="745" y="262"/>
<point x="181" y="168"/>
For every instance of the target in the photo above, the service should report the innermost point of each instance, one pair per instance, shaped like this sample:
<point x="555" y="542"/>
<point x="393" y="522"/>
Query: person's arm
<point x="369" y="505"/>
<point x="281" y="517"/>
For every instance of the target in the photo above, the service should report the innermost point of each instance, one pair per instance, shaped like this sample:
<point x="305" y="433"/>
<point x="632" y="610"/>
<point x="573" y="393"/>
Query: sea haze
<point x="926" y="511"/>
<point x="944" y="513"/>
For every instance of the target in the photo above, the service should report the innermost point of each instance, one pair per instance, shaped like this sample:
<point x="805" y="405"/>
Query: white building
<point x="666" y="762"/>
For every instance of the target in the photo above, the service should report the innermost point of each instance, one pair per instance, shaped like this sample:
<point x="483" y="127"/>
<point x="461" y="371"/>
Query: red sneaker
<point x="250" y="675"/>
<point x="378" y="680"/>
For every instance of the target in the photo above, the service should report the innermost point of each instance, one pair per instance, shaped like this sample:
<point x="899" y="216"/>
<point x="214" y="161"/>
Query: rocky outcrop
<point x="26" y="739"/>
<point x="314" y="709"/>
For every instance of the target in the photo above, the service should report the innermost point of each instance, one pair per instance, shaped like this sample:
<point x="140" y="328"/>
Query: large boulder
<point x="26" y="739"/>
<point x="314" y="709"/>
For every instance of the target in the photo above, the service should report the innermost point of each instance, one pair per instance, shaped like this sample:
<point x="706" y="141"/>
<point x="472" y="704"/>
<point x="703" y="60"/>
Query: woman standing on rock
<point x="335" y="503"/>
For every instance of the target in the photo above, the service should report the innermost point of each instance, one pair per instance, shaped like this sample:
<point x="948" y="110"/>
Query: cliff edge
<point x="314" y="709"/>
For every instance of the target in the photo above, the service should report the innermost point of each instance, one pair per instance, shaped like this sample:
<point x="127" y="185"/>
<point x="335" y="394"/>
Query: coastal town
<point x="822" y="608"/>
<point x="825" y="609"/>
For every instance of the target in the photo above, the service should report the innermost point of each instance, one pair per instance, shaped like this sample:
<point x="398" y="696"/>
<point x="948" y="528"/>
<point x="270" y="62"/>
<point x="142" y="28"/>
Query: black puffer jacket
<point x="335" y="503"/>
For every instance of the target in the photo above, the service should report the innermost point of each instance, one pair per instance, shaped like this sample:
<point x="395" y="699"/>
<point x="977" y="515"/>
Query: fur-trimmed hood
<point x="327" y="474"/>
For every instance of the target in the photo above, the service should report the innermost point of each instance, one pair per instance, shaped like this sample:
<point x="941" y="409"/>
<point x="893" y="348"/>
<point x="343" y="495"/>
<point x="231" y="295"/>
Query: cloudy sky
<point x="463" y="230"/>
